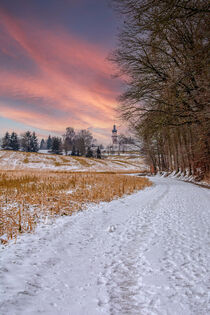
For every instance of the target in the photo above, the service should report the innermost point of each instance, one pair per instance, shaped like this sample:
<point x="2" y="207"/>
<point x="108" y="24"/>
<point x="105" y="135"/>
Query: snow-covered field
<point x="146" y="253"/>
<point x="10" y="160"/>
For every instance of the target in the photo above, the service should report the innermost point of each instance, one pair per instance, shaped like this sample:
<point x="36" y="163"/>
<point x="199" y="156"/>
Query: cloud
<point x="72" y="83"/>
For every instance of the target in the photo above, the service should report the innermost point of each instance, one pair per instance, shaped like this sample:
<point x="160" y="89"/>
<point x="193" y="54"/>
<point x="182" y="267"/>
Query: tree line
<point x="28" y="142"/>
<point x="163" y="55"/>
<point x="72" y="143"/>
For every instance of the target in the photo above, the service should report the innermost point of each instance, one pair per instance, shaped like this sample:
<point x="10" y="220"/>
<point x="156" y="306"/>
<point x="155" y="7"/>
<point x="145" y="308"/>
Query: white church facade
<point x="115" y="142"/>
<point x="117" y="146"/>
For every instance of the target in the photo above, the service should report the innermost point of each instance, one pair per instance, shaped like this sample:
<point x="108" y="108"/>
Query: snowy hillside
<point x="22" y="160"/>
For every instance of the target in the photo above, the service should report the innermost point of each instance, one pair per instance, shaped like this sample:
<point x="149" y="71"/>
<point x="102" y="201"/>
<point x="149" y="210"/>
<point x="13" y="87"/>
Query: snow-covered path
<point x="143" y="254"/>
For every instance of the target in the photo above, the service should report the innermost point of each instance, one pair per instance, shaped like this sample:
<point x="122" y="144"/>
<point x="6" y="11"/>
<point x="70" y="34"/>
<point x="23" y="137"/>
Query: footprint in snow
<point x="111" y="228"/>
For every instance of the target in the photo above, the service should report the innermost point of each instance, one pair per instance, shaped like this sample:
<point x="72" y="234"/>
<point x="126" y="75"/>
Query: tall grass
<point x="28" y="197"/>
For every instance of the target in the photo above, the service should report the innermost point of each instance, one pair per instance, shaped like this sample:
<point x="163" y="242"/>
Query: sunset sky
<point x="54" y="72"/>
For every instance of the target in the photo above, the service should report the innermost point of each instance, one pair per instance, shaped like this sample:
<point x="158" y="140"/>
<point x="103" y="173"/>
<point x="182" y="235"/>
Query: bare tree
<point x="83" y="140"/>
<point x="164" y="54"/>
<point x="68" y="139"/>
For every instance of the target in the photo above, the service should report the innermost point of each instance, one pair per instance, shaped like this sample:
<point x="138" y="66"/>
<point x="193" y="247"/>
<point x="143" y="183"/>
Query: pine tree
<point x="98" y="153"/>
<point x="56" y="145"/>
<point x="49" y="143"/>
<point x="89" y="153"/>
<point x="6" y="141"/>
<point x="26" y="141"/>
<point x="42" y="145"/>
<point x="34" y="143"/>
<point x="14" y="142"/>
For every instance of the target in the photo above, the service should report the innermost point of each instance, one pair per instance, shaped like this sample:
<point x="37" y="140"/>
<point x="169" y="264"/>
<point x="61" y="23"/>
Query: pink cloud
<point x="73" y="77"/>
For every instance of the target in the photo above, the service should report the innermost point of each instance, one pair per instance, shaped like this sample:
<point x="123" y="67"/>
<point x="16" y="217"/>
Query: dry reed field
<point x="29" y="197"/>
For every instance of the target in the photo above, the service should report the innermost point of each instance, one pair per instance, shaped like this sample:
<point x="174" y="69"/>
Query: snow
<point x="146" y="253"/>
<point x="185" y="177"/>
<point x="11" y="160"/>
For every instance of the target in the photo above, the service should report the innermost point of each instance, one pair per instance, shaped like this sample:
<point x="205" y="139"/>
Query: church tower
<point x="114" y="136"/>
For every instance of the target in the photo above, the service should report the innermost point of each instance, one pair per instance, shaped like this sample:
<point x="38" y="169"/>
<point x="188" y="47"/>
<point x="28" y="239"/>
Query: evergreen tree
<point x="34" y="143"/>
<point x="56" y="145"/>
<point x="98" y="153"/>
<point x="14" y="142"/>
<point x="42" y="145"/>
<point x="6" y="141"/>
<point x="49" y="143"/>
<point x="89" y="153"/>
<point x="26" y="141"/>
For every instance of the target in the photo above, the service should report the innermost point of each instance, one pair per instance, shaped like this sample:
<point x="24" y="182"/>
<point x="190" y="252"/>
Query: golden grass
<point x="49" y="158"/>
<point x="126" y="162"/>
<point x="26" y="161"/>
<point x="65" y="159"/>
<point x="99" y="161"/>
<point x="82" y="161"/>
<point x="26" y="197"/>
<point x="57" y="164"/>
<point x="118" y="162"/>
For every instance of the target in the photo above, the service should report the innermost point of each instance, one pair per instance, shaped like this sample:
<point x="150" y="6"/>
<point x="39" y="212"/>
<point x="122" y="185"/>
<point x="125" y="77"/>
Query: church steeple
<point x="114" y="135"/>
<point x="114" y="129"/>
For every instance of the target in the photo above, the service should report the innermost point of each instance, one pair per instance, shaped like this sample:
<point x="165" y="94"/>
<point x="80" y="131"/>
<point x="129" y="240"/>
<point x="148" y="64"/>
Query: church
<point x="113" y="147"/>
<point x="118" y="145"/>
<point x="115" y="142"/>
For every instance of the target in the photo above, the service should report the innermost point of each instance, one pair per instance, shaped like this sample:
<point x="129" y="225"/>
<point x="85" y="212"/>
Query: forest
<point x="163" y="58"/>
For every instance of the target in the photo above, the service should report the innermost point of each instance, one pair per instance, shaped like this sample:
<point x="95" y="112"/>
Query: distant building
<point x="115" y="144"/>
<point x="120" y="144"/>
<point x="113" y="148"/>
